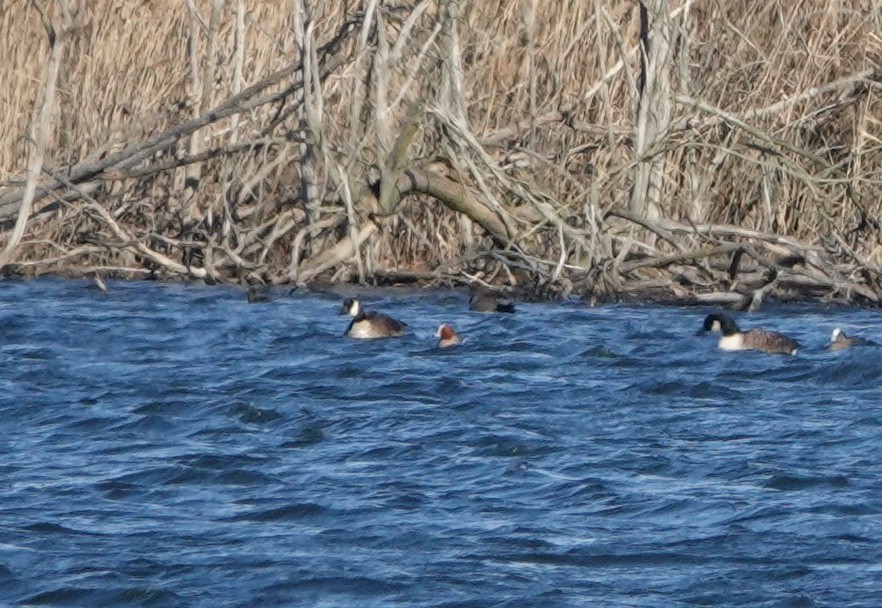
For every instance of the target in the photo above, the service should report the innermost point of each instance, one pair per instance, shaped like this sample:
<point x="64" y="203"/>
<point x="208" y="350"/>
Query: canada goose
<point x="369" y="324"/>
<point x="447" y="336"/>
<point x="755" y="339"/>
<point x="485" y="300"/>
<point x="839" y="341"/>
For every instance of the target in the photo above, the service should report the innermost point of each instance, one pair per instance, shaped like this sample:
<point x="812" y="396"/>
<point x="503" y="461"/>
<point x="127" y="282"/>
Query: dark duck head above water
<point x="734" y="338"/>
<point x="840" y="341"/>
<point x="447" y="336"/>
<point x="483" y="299"/>
<point x="369" y="324"/>
<point x="255" y="297"/>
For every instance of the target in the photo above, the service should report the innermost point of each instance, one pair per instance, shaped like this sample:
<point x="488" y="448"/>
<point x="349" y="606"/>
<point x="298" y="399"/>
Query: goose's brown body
<point x="734" y="338"/>
<point x="370" y="324"/>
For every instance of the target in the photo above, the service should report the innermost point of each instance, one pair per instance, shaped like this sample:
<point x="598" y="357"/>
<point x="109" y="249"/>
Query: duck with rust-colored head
<point x="370" y="324"/>
<point x="734" y="338"/>
<point x="447" y="336"/>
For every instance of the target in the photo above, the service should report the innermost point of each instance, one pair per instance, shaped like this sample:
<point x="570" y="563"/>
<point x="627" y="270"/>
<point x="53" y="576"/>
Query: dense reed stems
<point x="696" y="150"/>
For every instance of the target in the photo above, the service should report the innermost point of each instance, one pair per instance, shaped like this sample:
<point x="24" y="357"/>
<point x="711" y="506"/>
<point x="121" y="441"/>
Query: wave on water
<point x="171" y="445"/>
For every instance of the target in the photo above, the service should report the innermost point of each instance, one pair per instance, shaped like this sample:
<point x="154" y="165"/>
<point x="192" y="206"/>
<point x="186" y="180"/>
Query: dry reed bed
<point x="232" y="140"/>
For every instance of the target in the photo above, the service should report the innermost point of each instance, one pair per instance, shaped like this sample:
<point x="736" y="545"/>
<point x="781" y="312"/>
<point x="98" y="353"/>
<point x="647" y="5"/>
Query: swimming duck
<point x="485" y="300"/>
<point x="255" y="296"/>
<point x="369" y="324"/>
<point x="447" y="336"/>
<point x="755" y="339"/>
<point x="839" y="341"/>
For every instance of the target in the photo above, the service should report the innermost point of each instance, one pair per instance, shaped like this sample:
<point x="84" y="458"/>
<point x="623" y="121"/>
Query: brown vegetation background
<point x="737" y="152"/>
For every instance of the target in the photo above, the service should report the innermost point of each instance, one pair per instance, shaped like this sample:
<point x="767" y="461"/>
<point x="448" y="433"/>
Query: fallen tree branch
<point x="661" y="262"/>
<point x="651" y="225"/>
<point x="735" y="121"/>
<point x="329" y="258"/>
<point x="717" y="230"/>
<point x="174" y="163"/>
<point x="142" y="249"/>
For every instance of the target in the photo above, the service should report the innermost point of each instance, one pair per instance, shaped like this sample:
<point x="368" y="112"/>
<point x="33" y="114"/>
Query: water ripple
<point x="171" y="445"/>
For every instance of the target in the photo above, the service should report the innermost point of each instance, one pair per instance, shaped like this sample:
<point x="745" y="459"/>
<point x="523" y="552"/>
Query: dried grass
<point x="547" y="92"/>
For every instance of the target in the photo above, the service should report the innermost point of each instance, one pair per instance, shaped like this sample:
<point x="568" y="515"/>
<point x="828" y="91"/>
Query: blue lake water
<point x="173" y="445"/>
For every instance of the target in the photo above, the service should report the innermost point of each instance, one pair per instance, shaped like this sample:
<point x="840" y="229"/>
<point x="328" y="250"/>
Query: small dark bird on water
<point x="486" y="300"/>
<point x="255" y="297"/>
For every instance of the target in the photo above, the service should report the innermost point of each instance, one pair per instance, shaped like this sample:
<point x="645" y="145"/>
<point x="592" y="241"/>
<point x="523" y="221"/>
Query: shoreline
<point x="718" y="300"/>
